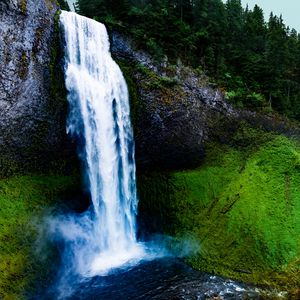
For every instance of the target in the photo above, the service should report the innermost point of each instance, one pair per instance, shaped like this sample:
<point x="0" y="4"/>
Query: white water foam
<point x="105" y="237"/>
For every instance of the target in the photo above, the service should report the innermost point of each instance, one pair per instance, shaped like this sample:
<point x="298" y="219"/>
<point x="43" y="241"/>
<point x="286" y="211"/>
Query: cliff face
<point x="32" y="115"/>
<point x="176" y="112"/>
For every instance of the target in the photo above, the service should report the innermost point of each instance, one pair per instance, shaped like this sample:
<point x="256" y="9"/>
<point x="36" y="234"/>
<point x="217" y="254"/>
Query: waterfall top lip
<point x="76" y="15"/>
<point x="74" y="22"/>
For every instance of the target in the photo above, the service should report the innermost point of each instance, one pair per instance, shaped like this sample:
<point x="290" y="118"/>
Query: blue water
<point x="165" y="278"/>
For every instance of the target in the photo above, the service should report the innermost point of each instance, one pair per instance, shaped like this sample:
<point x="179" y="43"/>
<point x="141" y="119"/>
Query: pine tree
<point x="276" y="56"/>
<point x="253" y="62"/>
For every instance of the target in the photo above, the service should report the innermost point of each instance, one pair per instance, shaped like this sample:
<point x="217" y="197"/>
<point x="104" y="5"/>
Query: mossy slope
<point x="22" y="202"/>
<point x="242" y="205"/>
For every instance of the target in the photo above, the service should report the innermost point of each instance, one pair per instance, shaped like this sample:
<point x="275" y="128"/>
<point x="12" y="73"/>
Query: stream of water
<point x="100" y="119"/>
<point x="159" y="279"/>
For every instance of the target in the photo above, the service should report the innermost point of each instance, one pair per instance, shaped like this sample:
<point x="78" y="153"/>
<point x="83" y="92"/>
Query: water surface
<point x="165" y="278"/>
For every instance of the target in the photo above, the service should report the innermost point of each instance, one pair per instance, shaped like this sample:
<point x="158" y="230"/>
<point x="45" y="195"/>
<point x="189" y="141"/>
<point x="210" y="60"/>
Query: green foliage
<point x="239" y="96"/>
<point x="23" y="66"/>
<point x="23" y="201"/>
<point x="64" y="5"/>
<point x="220" y="38"/>
<point x="242" y="205"/>
<point x="23" y="6"/>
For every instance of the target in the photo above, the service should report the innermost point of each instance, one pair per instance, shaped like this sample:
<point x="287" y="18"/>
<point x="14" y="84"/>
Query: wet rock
<point x="32" y="120"/>
<point x="177" y="110"/>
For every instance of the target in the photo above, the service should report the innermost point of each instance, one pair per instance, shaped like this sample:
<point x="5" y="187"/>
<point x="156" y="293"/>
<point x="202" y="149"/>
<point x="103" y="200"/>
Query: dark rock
<point x="32" y="120"/>
<point x="173" y="122"/>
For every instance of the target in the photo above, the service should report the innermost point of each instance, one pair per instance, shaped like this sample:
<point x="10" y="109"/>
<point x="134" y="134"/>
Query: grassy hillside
<point x="23" y="201"/>
<point x="242" y="206"/>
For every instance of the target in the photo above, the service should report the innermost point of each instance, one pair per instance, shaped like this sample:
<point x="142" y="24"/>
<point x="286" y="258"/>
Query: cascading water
<point x="104" y="237"/>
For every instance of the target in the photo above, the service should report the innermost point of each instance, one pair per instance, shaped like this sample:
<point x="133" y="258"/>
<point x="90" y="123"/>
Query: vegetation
<point x="255" y="62"/>
<point x="23" y="6"/>
<point x="242" y="206"/>
<point x="23" y="202"/>
<point x="64" y="5"/>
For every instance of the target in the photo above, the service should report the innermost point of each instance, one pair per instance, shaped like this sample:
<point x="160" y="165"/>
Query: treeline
<point x="256" y="62"/>
<point x="64" y="4"/>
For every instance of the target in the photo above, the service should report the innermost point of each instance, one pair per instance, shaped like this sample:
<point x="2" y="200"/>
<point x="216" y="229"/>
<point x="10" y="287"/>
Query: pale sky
<point x="290" y="10"/>
<point x="71" y="3"/>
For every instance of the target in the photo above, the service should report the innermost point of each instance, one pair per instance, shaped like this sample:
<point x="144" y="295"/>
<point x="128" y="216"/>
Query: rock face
<point x="177" y="110"/>
<point x="32" y="118"/>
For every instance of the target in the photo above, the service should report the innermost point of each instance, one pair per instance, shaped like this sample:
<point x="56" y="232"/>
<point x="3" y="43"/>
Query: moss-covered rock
<point x="23" y="201"/>
<point x="227" y="177"/>
<point x="242" y="205"/>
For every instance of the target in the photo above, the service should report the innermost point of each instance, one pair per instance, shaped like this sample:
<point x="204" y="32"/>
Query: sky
<point x="71" y="3"/>
<point x="290" y="10"/>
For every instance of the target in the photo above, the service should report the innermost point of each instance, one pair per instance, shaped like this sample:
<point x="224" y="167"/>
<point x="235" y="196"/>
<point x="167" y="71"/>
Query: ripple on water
<point x="165" y="279"/>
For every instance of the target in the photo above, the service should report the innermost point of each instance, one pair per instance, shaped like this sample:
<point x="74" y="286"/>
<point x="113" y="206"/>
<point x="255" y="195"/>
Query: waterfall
<point x="99" y="117"/>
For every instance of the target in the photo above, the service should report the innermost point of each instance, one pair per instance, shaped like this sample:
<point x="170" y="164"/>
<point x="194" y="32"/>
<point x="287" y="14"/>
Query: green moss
<point x="23" y="66"/>
<point x="154" y="81"/>
<point x="242" y="205"/>
<point x="23" y="6"/>
<point x="251" y="223"/>
<point x="248" y="138"/>
<point x="23" y="200"/>
<point x="39" y="33"/>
